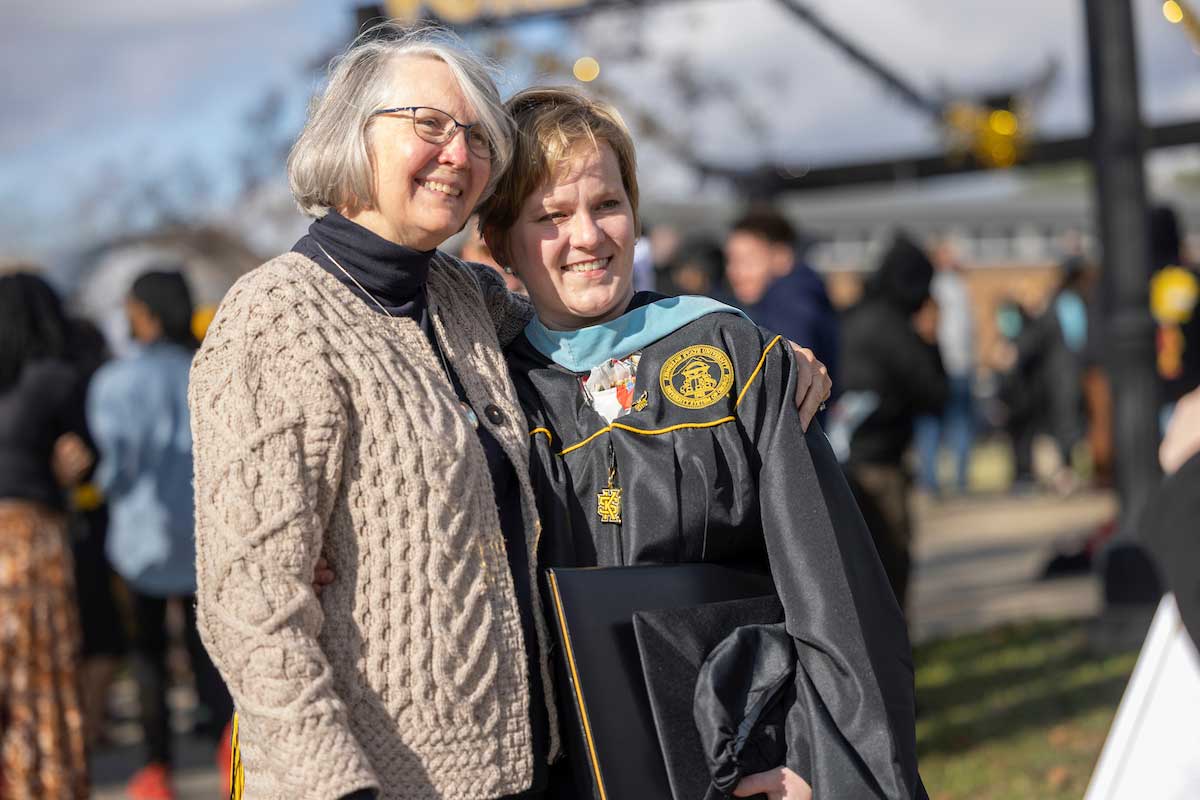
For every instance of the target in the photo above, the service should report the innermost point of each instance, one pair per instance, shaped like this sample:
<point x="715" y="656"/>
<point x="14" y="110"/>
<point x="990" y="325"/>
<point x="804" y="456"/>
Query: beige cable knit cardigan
<point x="323" y="428"/>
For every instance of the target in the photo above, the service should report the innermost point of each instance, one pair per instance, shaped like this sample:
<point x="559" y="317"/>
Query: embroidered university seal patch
<point x="696" y="377"/>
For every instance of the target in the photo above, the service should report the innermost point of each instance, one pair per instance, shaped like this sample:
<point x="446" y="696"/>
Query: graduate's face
<point x="573" y="242"/>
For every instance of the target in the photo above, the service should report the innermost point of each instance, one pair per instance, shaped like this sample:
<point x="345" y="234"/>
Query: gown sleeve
<point x="851" y="732"/>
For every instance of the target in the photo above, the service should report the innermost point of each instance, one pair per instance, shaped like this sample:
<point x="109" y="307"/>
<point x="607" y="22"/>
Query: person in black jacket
<point x="891" y="373"/>
<point x="41" y="415"/>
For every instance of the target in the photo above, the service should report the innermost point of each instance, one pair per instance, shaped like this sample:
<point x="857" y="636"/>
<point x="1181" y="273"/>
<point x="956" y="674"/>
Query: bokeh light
<point x="1173" y="12"/>
<point x="587" y="69"/>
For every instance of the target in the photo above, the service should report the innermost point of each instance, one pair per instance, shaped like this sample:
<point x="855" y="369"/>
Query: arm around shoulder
<point x="510" y="312"/>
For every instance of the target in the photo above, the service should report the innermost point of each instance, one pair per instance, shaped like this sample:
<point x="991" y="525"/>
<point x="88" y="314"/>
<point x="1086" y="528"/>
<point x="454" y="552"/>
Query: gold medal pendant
<point x="608" y="505"/>
<point x="608" y="501"/>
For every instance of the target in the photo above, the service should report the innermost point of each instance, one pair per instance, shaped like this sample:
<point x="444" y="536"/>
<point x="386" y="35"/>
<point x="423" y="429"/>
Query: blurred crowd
<point x="96" y="541"/>
<point x="97" y="553"/>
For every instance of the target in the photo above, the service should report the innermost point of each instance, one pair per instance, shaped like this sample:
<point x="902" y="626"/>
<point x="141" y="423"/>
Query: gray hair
<point x="330" y="165"/>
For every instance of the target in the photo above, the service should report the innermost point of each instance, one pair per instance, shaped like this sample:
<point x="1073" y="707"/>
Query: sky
<point x="97" y="93"/>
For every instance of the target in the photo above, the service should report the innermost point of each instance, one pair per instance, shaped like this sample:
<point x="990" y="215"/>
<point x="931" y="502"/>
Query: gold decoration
<point x="608" y="505"/>
<point x="696" y="377"/>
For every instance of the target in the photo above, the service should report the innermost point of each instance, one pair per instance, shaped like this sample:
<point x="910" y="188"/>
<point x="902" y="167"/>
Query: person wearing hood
<point x="891" y="373"/>
<point x="776" y="288"/>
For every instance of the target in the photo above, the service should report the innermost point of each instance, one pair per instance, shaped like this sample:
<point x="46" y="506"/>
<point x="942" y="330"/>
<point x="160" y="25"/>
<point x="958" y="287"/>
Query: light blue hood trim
<point x="583" y="349"/>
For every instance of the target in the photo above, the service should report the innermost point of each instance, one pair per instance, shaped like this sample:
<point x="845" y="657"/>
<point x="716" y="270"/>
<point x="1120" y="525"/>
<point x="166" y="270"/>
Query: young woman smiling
<point x="663" y="430"/>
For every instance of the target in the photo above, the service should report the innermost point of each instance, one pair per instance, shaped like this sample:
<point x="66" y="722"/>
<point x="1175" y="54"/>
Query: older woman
<point x="663" y="431"/>
<point x="351" y="401"/>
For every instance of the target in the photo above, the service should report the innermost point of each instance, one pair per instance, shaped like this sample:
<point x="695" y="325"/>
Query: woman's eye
<point x="609" y="205"/>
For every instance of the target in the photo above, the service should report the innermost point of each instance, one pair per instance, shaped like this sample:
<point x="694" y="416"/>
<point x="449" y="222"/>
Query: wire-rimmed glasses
<point x="437" y="127"/>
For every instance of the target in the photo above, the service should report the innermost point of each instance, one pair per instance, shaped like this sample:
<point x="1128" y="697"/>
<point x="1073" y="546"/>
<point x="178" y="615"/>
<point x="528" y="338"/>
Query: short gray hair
<point x="330" y="164"/>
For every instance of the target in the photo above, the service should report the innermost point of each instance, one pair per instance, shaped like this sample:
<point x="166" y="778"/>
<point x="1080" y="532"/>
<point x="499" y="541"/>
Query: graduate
<point x="664" y="430"/>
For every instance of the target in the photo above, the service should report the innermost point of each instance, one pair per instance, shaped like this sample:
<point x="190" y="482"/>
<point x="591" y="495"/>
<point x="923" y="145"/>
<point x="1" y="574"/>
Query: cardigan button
<point x="494" y="414"/>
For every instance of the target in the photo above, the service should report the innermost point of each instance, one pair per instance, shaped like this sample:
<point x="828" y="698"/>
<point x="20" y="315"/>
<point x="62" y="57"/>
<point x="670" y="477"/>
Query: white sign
<point x="1152" y="749"/>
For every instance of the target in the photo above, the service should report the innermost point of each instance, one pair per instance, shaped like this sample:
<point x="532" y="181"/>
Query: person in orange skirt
<point x="42" y="451"/>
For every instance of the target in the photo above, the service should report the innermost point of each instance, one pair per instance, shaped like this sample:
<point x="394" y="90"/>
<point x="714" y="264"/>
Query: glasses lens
<point x="479" y="142"/>
<point x="438" y="127"/>
<point x="435" y="127"/>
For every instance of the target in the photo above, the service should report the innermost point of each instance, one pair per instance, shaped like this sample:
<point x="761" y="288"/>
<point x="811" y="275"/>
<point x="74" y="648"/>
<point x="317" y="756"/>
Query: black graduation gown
<point x="715" y="467"/>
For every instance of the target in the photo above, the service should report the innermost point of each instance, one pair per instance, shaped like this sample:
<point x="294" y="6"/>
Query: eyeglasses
<point x="437" y="127"/>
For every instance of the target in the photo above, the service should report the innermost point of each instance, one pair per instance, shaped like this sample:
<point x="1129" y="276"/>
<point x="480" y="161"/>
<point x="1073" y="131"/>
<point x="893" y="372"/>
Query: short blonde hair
<point x="551" y="122"/>
<point x="330" y="164"/>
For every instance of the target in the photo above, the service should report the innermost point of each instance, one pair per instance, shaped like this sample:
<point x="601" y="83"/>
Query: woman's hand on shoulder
<point x="813" y="384"/>
<point x="777" y="784"/>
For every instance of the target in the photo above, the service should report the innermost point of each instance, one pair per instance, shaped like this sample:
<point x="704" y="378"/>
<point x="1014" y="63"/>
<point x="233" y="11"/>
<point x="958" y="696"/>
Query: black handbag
<point x="634" y="642"/>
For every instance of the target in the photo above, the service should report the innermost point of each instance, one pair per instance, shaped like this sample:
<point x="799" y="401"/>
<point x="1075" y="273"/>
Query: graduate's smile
<point x="589" y="268"/>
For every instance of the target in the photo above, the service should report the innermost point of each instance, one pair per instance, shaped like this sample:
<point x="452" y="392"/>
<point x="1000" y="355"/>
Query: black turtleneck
<point x="392" y="273"/>
<point x="395" y="276"/>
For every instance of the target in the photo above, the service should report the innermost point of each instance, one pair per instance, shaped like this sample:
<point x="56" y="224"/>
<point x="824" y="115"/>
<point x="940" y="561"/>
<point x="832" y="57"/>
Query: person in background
<point x="698" y="268"/>
<point x="1019" y="389"/>
<point x="104" y="633"/>
<point x="777" y="289"/>
<point x="956" y="343"/>
<point x="1175" y="305"/>
<point x="891" y="374"/>
<point x="42" y="451"/>
<point x="1061" y="335"/>
<point x="138" y="413"/>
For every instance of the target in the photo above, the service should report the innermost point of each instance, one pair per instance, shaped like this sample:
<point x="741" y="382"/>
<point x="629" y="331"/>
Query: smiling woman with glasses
<point x="351" y="403"/>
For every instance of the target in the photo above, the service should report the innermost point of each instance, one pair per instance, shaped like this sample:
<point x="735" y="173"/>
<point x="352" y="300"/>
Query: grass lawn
<point x="1019" y="711"/>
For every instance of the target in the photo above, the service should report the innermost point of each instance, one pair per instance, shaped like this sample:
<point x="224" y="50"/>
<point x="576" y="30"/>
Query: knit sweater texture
<point x="321" y="428"/>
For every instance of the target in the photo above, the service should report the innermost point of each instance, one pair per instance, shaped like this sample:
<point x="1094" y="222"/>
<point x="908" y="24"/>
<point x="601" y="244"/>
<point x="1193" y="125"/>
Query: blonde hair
<point x="551" y="122"/>
<point x="330" y="164"/>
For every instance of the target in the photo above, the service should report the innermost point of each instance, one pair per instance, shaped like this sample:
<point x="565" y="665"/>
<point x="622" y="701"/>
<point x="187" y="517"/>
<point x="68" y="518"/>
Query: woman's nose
<point x="455" y="151"/>
<point x="585" y="233"/>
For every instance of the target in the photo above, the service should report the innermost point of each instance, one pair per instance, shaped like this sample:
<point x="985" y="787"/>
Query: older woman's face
<point x="573" y="242"/>
<point x="425" y="192"/>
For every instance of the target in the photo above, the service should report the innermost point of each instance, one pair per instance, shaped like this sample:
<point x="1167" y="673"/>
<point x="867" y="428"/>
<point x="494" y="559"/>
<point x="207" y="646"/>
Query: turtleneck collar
<point x="393" y="274"/>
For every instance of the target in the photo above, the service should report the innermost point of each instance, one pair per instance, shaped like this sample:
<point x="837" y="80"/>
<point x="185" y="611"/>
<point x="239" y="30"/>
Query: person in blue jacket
<point x="776" y="288"/>
<point x="138" y="414"/>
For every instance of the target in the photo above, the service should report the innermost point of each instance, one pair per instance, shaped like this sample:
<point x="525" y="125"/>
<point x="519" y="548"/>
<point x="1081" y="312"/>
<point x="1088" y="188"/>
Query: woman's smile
<point x="591" y="268"/>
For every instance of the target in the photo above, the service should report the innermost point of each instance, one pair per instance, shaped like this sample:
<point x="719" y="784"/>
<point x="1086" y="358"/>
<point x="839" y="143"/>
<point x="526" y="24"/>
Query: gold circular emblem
<point x="696" y="377"/>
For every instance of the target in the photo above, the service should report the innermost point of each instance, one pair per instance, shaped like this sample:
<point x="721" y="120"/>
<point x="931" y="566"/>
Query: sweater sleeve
<point x="510" y="312"/>
<point x="268" y="430"/>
